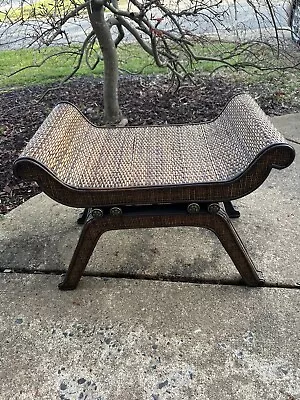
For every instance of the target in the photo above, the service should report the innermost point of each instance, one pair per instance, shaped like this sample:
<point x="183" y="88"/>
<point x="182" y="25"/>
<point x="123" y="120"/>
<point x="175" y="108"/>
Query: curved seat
<point x="81" y="165"/>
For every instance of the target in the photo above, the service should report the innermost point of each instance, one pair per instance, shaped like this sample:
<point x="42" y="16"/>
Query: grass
<point x="42" y="8"/>
<point x="132" y="59"/>
<point x="58" y="66"/>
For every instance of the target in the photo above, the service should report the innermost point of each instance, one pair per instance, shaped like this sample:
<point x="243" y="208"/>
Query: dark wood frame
<point x="211" y="216"/>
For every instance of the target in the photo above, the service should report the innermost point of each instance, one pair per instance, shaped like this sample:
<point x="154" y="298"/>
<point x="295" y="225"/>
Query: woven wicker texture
<point x="85" y="156"/>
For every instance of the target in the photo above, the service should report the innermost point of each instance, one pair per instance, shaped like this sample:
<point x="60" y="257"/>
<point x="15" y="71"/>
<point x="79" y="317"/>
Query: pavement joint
<point x="293" y="141"/>
<point x="154" y="278"/>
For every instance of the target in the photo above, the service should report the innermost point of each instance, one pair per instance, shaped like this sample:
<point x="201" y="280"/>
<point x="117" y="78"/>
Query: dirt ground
<point x="143" y="100"/>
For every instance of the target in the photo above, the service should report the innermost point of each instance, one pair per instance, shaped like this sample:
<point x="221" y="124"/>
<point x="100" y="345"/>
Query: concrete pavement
<point x="141" y="339"/>
<point x="125" y="339"/>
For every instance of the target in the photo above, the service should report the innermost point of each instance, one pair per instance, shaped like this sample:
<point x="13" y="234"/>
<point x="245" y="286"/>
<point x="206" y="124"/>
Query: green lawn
<point x="55" y="63"/>
<point x="132" y="59"/>
<point x="41" y="8"/>
<point x="60" y="62"/>
<point x="55" y="68"/>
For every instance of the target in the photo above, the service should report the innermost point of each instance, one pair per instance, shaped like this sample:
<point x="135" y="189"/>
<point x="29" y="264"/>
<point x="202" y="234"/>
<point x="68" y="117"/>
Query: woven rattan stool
<point x="155" y="176"/>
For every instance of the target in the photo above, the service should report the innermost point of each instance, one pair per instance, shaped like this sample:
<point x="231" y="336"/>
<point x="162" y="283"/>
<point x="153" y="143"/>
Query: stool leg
<point x="214" y="219"/>
<point x="89" y="237"/>
<point x="231" y="211"/>
<point x="221" y="225"/>
<point x="83" y="216"/>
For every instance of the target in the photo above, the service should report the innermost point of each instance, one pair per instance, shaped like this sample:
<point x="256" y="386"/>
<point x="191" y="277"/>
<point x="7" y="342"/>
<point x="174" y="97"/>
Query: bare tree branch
<point x="178" y="35"/>
<point x="136" y="34"/>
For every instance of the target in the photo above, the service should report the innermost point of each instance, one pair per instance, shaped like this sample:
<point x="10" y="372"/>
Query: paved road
<point x="238" y="22"/>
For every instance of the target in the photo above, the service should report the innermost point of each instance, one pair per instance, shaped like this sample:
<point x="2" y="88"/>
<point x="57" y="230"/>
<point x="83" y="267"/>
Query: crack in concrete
<point x="158" y="278"/>
<point x="293" y="141"/>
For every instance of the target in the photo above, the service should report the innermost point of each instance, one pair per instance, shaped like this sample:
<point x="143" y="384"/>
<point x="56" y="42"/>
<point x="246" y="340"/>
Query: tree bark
<point x="112" y="113"/>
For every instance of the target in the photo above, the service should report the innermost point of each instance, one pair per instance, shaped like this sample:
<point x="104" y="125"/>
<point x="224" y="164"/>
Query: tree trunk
<point x="112" y="113"/>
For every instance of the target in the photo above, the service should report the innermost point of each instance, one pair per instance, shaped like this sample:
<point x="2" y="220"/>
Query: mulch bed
<point x="143" y="100"/>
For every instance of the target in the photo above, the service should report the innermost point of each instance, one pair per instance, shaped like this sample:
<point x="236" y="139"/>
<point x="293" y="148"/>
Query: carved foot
<point x="65" y="284"/>
<point x="83" y="216"/>
<point x="88" y="239"/>
<point x="231" y="211"/>
<point x="234" y="246"/>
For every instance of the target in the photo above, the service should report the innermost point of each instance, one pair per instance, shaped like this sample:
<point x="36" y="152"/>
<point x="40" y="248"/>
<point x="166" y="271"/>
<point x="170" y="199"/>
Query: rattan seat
<point x="81" y="165"/>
